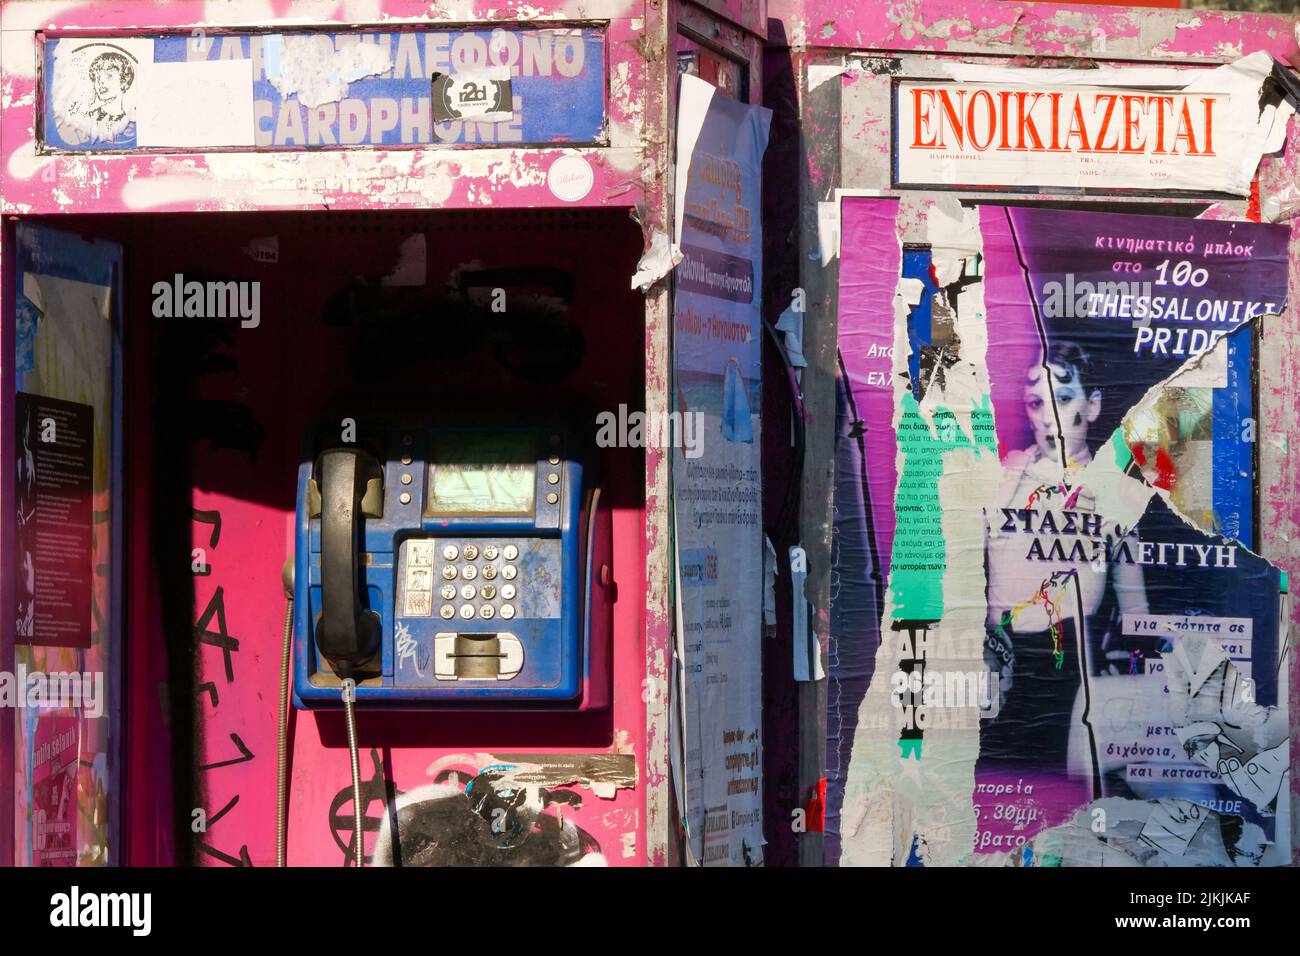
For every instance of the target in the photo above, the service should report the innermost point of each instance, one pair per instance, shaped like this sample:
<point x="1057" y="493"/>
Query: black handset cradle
<point x="348" y="633"/>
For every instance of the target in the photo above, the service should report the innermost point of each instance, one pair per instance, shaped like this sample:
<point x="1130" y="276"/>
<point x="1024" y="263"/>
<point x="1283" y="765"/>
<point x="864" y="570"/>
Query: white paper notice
<point x="207" y="103"/>
<point x="1204" y="132"/>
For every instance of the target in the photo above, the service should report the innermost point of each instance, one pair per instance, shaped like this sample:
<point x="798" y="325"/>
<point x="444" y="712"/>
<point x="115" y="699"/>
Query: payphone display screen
<point x="482" y="475"/>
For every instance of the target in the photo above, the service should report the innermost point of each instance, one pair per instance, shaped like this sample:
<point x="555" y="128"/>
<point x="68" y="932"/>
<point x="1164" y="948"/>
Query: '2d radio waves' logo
<point x="480" y="95"/>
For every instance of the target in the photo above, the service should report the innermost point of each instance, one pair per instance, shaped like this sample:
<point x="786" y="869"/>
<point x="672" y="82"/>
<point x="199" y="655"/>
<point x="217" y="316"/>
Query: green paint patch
<point x="1123" y="457"/>
<point x="920" y="556"/>
<point x="909" y="747"/>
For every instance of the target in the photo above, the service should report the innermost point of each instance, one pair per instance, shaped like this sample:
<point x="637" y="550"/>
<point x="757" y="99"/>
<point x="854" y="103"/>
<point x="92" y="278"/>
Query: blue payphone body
<point x="452" y="567"/>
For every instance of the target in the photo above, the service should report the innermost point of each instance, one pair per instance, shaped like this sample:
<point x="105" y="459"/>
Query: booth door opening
<point x="244" y="336"/>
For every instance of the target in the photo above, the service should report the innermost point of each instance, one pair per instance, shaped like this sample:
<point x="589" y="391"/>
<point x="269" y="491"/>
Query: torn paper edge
<point x="693" y="101"/>
<point x="902" y="805"/>
<point x="656" y="262"/>
<point x="1104" y="467"/>
<point x="828" y="220"/>
<point x="412" y="263"/>
<point x="309" y="66"/>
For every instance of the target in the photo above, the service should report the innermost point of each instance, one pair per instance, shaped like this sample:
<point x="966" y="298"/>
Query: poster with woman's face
<point x="94" y="92"/>
<point x="1128" y="639"/>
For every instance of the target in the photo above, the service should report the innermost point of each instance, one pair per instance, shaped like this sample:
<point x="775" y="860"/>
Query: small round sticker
<point x="570" y="178"/>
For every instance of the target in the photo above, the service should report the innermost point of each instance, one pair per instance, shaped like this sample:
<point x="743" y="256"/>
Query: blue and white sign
<point x="305" y="90"/>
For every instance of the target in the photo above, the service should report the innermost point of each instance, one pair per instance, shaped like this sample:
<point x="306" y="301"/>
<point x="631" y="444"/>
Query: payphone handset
<point x="447" y="566"/>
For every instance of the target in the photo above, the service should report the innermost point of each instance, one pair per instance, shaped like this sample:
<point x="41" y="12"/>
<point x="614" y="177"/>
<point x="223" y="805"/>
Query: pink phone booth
<point x="356" y="193"/>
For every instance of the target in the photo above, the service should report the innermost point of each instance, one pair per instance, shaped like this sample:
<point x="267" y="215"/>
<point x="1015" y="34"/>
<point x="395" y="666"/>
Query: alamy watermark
<point x="24" y="689"/>
<point x="211" y="299"/>
<point x="133" y="911"/>
<point x="914" y="692"/>
<point x="624" y="429"/>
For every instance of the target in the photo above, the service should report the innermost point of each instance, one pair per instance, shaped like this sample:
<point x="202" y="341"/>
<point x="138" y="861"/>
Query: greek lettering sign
<point x="1199" y="131"/>
<point x="288" y="91"/>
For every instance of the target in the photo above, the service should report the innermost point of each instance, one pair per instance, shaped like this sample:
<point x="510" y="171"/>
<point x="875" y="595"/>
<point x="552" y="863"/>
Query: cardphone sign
<point x="311" y="90"/>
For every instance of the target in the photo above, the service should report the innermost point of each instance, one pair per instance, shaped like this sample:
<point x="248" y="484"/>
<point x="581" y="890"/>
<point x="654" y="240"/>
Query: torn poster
<point x="1198" y="130"/>
<point x="1053" y="422"/>
<point x="505" y="810"/>
<point x="517" y="86"/>
<point x="716" y="435"/>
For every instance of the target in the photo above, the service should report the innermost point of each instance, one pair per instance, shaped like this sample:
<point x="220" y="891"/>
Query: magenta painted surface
<point x="240" y="606"/>
<point x="235" y="744"/>
<point x="1044" y="28"/>
<point x="411" y="751"/>
<point x="871" y="260"/>
<point x="339" y="179"/>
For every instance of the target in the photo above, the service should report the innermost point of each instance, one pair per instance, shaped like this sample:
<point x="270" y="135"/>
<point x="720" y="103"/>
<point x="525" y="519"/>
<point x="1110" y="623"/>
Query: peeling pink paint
<point x="961" y="26"/>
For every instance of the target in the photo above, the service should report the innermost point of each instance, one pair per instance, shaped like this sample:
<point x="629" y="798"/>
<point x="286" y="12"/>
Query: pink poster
<point x="54" y="791"/>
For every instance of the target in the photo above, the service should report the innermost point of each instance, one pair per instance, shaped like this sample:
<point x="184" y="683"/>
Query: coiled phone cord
<point x="349" y="695"/>
<point x="282" y="744"/>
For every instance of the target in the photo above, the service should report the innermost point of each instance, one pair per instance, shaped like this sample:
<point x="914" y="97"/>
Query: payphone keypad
<point x="478" y="609"/>
<point x="469" y="577"/>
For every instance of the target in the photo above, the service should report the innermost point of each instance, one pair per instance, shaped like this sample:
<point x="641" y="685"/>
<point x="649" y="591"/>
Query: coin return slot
<point x="477" y="656"/>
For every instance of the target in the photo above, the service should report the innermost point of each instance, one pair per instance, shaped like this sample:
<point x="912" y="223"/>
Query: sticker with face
<point x="108" y="82"/>
<point x="1077" y="408"/>
<point x="109" y="73"/>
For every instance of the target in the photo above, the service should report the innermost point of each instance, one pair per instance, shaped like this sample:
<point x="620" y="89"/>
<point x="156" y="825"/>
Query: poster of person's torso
<point x="717" y="490"/>
<point x="1141" y="644"/>
<point x="1078" y="642"/>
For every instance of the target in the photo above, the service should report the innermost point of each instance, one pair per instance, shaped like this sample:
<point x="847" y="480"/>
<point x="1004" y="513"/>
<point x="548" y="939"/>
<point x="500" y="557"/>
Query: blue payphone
<point x="452" y="567"/>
